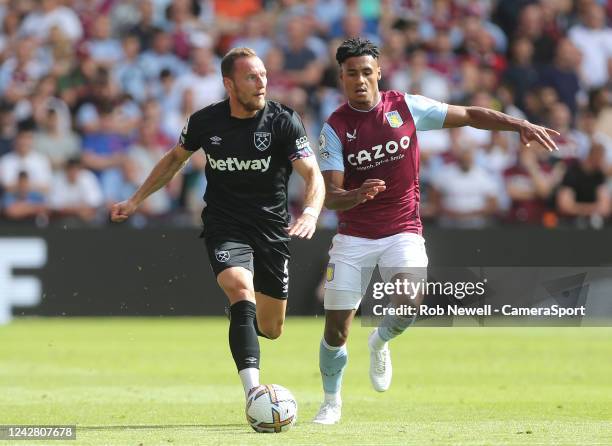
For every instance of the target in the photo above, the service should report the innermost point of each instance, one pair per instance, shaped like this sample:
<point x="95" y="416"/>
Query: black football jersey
<point x="248" y="164"/>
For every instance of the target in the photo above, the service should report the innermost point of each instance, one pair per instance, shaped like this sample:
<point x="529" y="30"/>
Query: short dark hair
<point x="228" y="61"/>
<point x="356" y="47"/>
<point x="74" y="161"/>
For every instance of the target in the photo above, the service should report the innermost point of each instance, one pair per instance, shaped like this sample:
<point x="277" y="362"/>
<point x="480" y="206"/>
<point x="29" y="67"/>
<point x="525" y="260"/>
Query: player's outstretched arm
<point x="339" y="199"/>
<point x="305" y="225"/>
<point x="161" y="175"/>
<point x="487" y="119"/>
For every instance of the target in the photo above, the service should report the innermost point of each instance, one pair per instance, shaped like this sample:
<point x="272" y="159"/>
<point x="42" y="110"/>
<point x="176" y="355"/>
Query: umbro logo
<point x="352" y="136"/>
<point x="215" y="140"/>
<point x="250" y="359"/>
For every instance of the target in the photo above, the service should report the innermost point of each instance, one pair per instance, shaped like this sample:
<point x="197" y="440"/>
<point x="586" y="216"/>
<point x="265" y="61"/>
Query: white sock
<point x="333" y="398"/>
<point x="376" y="342"/>
<point x="249" y="378"/>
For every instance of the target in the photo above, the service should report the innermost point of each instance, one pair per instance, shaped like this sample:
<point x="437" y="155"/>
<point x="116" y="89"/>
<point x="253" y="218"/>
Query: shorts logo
<point x="222" y="256"/>
<point x="331" y="268"/>
<point x="394" y="119"/>
<point x="262" y="140"/>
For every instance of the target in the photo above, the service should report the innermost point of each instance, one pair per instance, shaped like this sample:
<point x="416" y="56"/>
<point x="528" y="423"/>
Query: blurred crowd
<point x="93" y="92"/>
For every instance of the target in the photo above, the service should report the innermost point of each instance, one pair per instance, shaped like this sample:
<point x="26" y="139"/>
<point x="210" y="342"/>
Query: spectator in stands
<point x="463" y="194"/>
<point x="505" y="95"/>
<point x="496" y="156"/>
<point x="102" y="47"/>
<point x="23" y="203"/>
<point x="571" y="142"/>
<point x="128" y="72"/>
<point x="9" y="31"/>
<point x="443" y="59"/>
<point x="418" y="78"/>
<point x="326" y="14"/>
<point x="24" y="159"/>
<point x="353" y="26"/>
<point x="529" y="185"/>
<point x="278" y="84"/>
<point x="594" y="40"/>
<point x="144" y="155"/>
<point x="301" y="65"/>
<point x="20" y="73"/>
<point x="600" y="103"/>
<point x="393" y="54"/>
<point x="104" y="151"/>
<point x="49" y="14"/>
<point x="8" y="128"/>
<point x="57" y="144"/>
<point x="186" y="28"/>
<point x="479" y="44"/>
<point x="562" y="75"/>
<point x="161" y="57"/>
<point x="587" y="125"/>
<point x="145" y="28"/>
<point x="161" y="90"/>
<point x="521" y="74"/>
<point x="256" y="35"/>
<point x="531" y="26"/>
<point x="75" y="193"/>
<point x="174" y="120"/>
<point x="583" y="194"/>
<point x="152" y="112"/>
<point x="35" y="106"/>
<point x="204" y="80"/>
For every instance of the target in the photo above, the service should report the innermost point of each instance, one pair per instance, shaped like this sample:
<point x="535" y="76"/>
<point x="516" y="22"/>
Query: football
<point x="271" y="408"/>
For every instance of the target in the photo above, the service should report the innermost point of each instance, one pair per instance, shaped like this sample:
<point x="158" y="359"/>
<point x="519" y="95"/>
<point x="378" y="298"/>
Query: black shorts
<point x="268" y="261"/>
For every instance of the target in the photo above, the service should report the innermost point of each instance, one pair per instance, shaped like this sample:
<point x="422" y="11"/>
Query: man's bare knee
<point x="271" y="330"/>
<point x="336" y="336"/>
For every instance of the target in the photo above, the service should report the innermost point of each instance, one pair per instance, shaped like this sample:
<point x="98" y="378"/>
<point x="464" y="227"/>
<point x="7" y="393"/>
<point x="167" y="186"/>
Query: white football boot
<point x="329" y="413"/>
<point x="381" y="370"/>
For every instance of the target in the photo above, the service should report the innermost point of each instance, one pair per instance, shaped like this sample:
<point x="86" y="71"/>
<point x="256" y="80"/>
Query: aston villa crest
<point x="394" y="119"/>
<point x="262" y="140"/>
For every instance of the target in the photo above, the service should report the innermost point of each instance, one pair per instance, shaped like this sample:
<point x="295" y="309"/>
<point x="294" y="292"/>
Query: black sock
<point x="242" y="335"/>
<point x="259" y="333"/>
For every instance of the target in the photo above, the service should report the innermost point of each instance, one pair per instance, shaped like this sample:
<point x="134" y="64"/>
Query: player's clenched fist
<point x="121" y="211"/>
<point x="369" y="189"/>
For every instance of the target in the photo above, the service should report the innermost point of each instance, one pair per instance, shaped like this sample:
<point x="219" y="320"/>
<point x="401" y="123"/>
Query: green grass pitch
<point x="171" y="381"/>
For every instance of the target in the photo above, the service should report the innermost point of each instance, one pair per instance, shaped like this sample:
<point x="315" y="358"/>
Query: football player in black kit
<point x="251" y="147"/>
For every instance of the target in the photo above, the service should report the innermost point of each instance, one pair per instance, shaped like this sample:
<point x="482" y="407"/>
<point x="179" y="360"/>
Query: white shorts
<point x="352" y="261"/>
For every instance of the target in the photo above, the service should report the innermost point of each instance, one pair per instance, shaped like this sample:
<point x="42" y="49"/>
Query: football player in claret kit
<point x="251" y="146"/>
<point x="369" y="156"/>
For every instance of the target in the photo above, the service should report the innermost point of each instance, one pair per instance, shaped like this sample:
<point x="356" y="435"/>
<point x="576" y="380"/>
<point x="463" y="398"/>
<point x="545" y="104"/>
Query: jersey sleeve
<point x="293" y="136"/>
<point x="189" y="139"/>
<point x="330" y="150"/>
<point x="427" y="113"/>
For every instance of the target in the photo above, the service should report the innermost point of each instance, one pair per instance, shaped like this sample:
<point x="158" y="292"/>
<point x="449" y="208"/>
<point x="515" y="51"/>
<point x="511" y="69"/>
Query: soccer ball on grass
<point x="271" y="408"/>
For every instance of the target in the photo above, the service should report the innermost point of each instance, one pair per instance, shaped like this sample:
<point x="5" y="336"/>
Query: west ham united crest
<point x="394" y="119"/>
<point x="222" y="256"/>
<point x="262" y="140"/>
